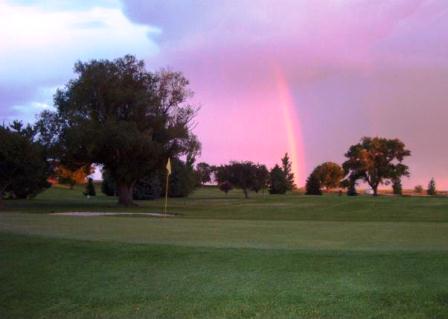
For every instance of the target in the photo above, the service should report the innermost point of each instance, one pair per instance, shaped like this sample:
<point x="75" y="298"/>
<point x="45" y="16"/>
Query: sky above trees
<point x="305" y="77"/>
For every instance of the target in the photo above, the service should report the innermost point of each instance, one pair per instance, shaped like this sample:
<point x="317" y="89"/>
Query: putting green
<point x="321" y="235"/>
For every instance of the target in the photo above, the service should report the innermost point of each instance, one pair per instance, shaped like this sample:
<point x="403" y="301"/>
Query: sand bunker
<point x="94" y="214"/>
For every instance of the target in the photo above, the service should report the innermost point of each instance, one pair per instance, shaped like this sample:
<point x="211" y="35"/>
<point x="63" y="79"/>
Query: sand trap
<point x="94" y="214"/>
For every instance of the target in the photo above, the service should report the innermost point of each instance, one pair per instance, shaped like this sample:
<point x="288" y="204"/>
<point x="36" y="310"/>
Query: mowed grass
<point x="210" y="203"/>
<point x="225" y="257"/>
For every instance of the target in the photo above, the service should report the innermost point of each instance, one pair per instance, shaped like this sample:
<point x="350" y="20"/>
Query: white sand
<point x="93" y="214"/>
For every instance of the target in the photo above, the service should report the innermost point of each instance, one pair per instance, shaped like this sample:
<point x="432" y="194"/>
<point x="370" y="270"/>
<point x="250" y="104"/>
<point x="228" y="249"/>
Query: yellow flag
<point x="168" y="166"/>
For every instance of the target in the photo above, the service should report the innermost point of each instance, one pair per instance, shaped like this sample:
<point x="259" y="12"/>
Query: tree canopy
<point x="241" y="175"/>
<point x="376" y="161"/>
<point x="118" y="114"/>
<point x="329" y="174"/>
<point x="24" y="168"/>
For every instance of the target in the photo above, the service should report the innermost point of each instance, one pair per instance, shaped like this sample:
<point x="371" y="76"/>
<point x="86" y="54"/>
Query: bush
<point x="313" y="185"/>
<point x="90" y="188"/>
<point x="418" y="189"/>
<point x="148" y="188"/>
<point x="182" y="180"/>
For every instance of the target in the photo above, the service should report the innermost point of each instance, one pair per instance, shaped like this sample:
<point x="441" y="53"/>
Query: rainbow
<point x="292" y="126"/>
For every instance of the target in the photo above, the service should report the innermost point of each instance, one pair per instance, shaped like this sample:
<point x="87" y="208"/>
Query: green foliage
<point x="397" y="187"/>
<point x="277" y="181"/>
<point x="376" y="161"/>
<point x="330" y="174"/>
<point x="108" y="185"/>
<point x="203" y="172"/>
<point x="418" y="189"/>
<point x="117" y="114"/>
<point x="261" y="178"/>
<point x="241" y="175"/>
<point x="225" y="186"/>
<point x="432" y="190"/>
<point x="313" y="186"/>
<point x="287" y="171"/>
<point x="90" y="188"/>
<point x="182" y="180"/>
<point x="24" y="168"/>
<point x="149" y="187"/>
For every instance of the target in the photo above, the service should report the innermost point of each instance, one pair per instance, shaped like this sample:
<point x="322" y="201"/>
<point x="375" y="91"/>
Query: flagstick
<point x="166" y="191"/>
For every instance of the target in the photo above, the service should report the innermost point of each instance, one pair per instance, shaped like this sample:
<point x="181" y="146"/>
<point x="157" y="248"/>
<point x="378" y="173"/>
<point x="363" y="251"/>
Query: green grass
<point x="209" y="203"/>
<point x="267" y="257"/>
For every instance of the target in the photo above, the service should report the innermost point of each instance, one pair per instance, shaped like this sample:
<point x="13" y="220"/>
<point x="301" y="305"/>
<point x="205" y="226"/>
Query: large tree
<point x="118" y="114"/>
<point x="330" y="174"/>
<point x="24" y="167"/>
<point x="287" y="171"/>
<point x="376" y="161"/>
<point x="203" y="172"/>
<point x="241" y="175"/>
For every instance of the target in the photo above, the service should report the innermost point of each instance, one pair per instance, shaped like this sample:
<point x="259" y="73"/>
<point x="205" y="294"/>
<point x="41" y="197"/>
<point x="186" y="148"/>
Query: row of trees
<point x="374" y="161"/>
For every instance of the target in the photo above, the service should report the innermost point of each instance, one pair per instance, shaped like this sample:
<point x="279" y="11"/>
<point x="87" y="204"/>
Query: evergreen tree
<point x="90" y="188"/>
<point x="313" y="185"/>
<point x="396" y="186"/>
<point x="432" y="187"/>
<point x="277" y="181"/>
<point x="287" y="171"/>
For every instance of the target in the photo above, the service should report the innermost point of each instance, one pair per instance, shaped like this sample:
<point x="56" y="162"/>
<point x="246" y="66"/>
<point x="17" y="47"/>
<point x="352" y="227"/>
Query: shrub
<point x="90" y="188"/>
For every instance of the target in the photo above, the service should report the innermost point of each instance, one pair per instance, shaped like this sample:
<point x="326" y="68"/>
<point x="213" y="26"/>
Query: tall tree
<point x="432" y="190"/>
<point x="118" y="114"/>
<point x="287" y="171"/>
<point x="24" y="167"/>
<point x="277" y="181"/>
<point x="330" y="174"/>
<point x="376" y="161"/>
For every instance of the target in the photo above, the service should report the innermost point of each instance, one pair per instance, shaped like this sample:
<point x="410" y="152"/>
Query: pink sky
<point x="349" y="68"/>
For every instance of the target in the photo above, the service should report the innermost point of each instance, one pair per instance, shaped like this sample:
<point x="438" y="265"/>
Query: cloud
<point x="40" y="42"/>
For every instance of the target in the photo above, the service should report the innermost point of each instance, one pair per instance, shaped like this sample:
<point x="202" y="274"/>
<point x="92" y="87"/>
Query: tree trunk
<point x="246" y="195"/>
<point x="375" y="190"/>
<point x="125" y="192"/>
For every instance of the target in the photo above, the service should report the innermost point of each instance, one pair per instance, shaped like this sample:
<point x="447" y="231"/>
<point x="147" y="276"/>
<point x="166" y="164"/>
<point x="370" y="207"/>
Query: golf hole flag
<point x="168" y="166"/>
<point x="168" y="173"/>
